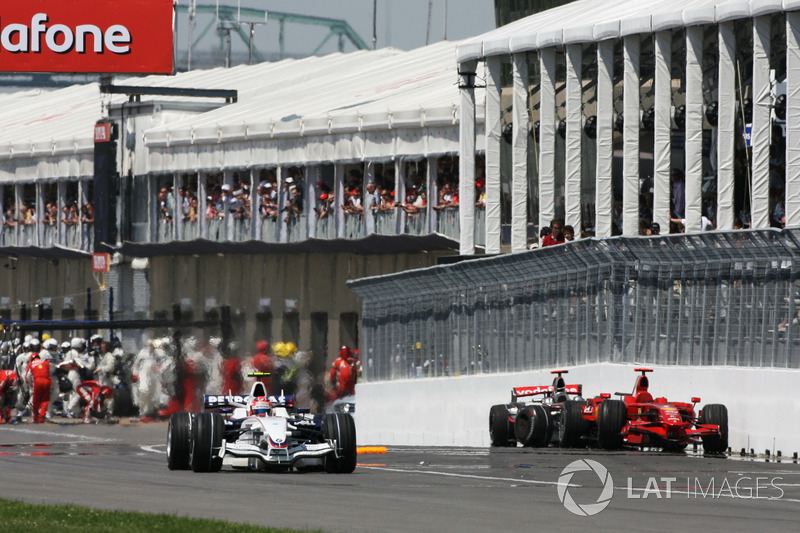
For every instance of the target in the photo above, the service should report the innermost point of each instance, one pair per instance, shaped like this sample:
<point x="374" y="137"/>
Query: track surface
<point x="407" y="489"/>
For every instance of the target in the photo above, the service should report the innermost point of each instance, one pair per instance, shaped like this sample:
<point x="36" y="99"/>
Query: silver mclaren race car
<point x="260" y="432"/>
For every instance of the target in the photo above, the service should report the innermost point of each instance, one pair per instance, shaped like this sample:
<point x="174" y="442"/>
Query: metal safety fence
<point x="718" y="298"/>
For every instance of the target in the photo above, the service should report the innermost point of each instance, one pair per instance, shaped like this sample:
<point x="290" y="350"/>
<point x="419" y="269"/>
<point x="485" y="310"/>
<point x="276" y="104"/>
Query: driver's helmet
<point x="260" y="406"/>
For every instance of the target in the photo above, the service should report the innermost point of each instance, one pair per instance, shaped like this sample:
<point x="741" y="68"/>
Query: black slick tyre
<point x="501" y="431"/>
<point x="208" y="430"/>
<point x="340" y="429"/>
<point x="179" y="441"/>
<point x="571" y="425"/>
<point x="611" y="418"/>
<point x="716" y="414"/>
<point x="532" y="426"/>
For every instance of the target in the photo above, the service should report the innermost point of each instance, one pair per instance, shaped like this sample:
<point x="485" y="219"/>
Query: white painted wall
<point x="763" y="404"/>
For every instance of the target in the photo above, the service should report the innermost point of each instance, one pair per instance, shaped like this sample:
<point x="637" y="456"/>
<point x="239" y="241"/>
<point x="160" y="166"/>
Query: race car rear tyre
<point x="179" y="441"/>
<point x="501" y="432"/>
<point x="716" y="414"/>
<point x="207" y="432"/>
<point x="611" y="418"/>
<point x="532" y="426"/>
<point x="341" y="429"/>
<point x="571" y="425"/>
<point x="123" y="403"/>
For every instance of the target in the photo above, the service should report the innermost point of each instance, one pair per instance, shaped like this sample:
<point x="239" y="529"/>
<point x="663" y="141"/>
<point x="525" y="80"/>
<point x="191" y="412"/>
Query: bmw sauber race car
<point x="638" y="419"/>
<point x="540" y="415"/>
<point x="260" y="432"/>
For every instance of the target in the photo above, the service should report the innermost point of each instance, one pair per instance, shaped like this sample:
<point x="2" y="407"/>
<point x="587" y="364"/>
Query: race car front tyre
<point x="501" y="432"/>
<point x="340" y="428"/>
<point x="571" y="425"/>
<point x="716" y="414"/>
<point x="179" y="441"/>
<point x="532" y="426"/>
<point x="611" y="418"/>
<point x="208" y="429"/>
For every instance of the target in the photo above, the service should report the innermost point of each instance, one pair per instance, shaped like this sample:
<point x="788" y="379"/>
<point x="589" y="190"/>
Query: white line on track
<point x="57" y="434"/>
<point x="468" y="476"/>
<point x="152" y="448"/>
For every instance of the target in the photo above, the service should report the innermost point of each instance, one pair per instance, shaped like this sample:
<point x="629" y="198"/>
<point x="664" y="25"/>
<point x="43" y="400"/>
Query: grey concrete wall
<point x="28" y="280"/>
<point x="315" y="281"/>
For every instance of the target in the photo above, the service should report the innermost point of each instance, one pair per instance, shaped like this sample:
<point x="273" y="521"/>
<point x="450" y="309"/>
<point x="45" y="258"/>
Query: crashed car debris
<point x="260" y="432"/>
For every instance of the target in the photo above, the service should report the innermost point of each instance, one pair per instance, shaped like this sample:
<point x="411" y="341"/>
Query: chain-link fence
<point x="721" y="298"/>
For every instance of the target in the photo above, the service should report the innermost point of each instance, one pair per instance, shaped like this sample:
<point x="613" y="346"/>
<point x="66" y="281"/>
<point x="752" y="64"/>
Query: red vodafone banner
<point x="95" y="36"/>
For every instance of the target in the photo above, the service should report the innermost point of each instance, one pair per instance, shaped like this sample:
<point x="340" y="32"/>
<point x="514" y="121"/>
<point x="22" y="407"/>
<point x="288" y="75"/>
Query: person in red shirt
<point x="262" y="362"/>
<point x="556" y="235"/>
<point x="8" y="391"/>
<point x="39" y="370"/>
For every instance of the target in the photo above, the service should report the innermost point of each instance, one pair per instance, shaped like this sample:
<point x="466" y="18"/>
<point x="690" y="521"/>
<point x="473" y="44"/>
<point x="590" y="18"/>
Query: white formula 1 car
<point x="258" y="432"/>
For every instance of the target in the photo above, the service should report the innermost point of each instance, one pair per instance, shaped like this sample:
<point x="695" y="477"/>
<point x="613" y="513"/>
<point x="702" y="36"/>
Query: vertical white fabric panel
<point x="466" y="165"/>
<point x="630" y="135"/>
<point x="202" y="202"/>
<point x="400" y="190"/>
<point x="572" y="181"/>
<point x="493" y="138"/>
<point x="313" y="175"/>
<point x="792" y="119"/>
<point x="338" y="195"/>
<point x="369" y="217"/>
<point x="762" y="102"/>
<point x="604" y="138"/>
<point x="547" y="137"/>
<point x="519" y="154"/>
<point x="662" y="135"/>
<point x="693" y="149"/>
<point x="433" y="193"/>
<point x="726" y="126"/>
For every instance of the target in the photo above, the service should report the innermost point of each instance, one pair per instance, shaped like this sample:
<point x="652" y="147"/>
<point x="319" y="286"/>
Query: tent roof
<point x="596" y="20"/>
<point x="49" y="134"/>
<point x="382" y="89"/>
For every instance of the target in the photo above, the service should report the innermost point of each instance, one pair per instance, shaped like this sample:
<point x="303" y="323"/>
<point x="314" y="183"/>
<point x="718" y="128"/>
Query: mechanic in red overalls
<point x="95" y="396"/>
<point x="8" y="392"/>
<point x="341" y="376"/>
<point x="262" y="362"/>
<point x="39" y="370"/>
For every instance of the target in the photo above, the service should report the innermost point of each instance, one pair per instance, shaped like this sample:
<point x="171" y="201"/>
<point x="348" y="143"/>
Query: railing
<point x="721" y="298"/>
<point x="296" y="228"/>
<point x="216" y="229"/>
<point x="353" y="226"/>
<point x="447" y="223"/>
<point x="386" y="222"/>
<point x="326" y="228"/>
<point x="241" y="229"/>
<point x="269" y="229"/>
<point x="417" y="223"/>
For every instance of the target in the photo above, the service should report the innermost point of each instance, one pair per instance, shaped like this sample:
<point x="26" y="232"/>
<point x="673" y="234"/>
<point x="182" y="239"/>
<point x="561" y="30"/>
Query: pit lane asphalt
<point x="467" y="490"/>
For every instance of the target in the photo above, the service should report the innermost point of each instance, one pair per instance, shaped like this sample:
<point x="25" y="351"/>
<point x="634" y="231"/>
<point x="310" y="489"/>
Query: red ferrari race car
<point x="549" y="413"/>
<point x="638" y="419"/>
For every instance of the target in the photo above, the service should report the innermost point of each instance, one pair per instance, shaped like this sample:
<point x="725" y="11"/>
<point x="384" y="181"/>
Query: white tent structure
<point x="366" y="105"/>
<point x="678" y="36"/>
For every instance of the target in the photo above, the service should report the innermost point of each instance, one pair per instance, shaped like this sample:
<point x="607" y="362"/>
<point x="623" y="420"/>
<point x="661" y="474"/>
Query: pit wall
<point x="763" y="405"/>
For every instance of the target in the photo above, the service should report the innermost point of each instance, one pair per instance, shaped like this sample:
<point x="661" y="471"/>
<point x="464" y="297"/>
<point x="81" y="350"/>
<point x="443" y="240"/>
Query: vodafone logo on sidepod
<point x="104" y="36"/>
